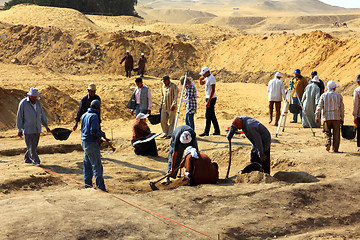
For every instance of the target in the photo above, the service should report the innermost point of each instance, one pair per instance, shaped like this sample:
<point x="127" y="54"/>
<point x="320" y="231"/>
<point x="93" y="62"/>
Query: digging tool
<point x="227" y="173"/>
<point x="110" y="145"/>
<point x="152" y="184"/>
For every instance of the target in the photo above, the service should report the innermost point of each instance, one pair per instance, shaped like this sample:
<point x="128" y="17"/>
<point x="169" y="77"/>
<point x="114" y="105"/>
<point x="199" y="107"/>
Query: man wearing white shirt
<point x="276" y="92"/>
<point x="141" y="100"/>
<point x="209" y="81"/>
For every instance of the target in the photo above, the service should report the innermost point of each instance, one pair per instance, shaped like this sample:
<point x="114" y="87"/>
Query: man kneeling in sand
<point x="198" y="167"/>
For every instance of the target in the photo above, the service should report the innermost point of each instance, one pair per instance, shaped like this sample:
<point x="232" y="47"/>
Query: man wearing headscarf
<point x="129" y="63"/>
<point x="276" y="92"/>
<point x="142" y="131"/>
<point x="182" y="137"/>
<point x="332" y="105"/>
<point x="309" y="101"/>
<point x="299" y="86"/>
<point x="141" y="63"/>
<point x="198" y="167"/>
<point x="30" y="116"/>
<point x="320" y="84"/>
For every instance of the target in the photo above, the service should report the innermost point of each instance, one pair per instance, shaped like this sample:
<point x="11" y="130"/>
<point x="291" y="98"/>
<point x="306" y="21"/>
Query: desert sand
<point x="310" y="193"/>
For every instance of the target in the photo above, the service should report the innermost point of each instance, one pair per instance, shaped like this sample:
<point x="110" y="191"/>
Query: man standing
<point x="258" y="135"/>
<point x="129" y="63"/>
<point x="356" y="107"/>
<point x="141" y="100"/>
<point x="276" y="92"/>
<point x="30" y="116"/>
<point x="332" y="105"/>
<point x="183" y="136"/>
<point x="167" y="106"/>
<point x="309" y="101"/>
<point x="190" y="101"/>
<point x="90" y="142"/>
<point x="142" y="62"/>
<point x="299" y="86"/>
<point x="209" y="81"/>
<point x="85" y="103"/>
<point x="320" y="84"/>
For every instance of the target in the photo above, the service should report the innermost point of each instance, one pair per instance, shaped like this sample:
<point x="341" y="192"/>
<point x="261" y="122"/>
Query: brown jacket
<point x="140" y="130"/>
<point x="299" y="85"/>
<point x="201" y="169"/>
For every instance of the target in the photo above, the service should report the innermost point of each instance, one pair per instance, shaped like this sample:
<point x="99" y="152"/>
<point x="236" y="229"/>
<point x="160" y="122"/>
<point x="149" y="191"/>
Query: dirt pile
<point x="9" y="101"/>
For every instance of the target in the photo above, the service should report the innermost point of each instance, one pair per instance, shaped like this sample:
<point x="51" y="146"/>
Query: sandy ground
<point x="310" y="193"/>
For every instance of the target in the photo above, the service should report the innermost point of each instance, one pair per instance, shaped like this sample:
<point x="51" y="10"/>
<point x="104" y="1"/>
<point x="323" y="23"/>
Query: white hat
<point x="204" y="70"/>
<point x="331" y="85"/>
<point x="315" y="79"/>
<point x="127" y="51"/>
<point x="191" y="150"/>
<point x="277" y="74"/>
<point x="33" y="92"/>
<point x="142" y="116"/>
<point x="185" y="137"/>
<point x="92" y="87"/>
<point x="142" y="54"/>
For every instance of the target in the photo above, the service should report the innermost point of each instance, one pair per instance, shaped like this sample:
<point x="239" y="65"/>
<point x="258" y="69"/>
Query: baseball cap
<point x="204" y="70"/>
<point x="313" y="73"/>
<point x="185" y="137"/>
<point x="297" y="71"/>
<point x="358" y="78"/>
<point x="166" y="77"/>
<point x="331" y="85"/>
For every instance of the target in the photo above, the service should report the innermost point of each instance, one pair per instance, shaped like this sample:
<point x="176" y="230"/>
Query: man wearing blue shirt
<point x="30" y="116"/>
<point x="90" y="142"/>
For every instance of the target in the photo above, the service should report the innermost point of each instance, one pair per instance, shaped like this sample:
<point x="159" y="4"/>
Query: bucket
<point x="61" y="133"/>
<point x="294" y="108"/>
<point x="154" y="119"/>
<point x="348" y="132"/>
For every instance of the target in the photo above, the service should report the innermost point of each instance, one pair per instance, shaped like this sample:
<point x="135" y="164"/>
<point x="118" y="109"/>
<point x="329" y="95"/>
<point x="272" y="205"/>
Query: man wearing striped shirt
<point x="332" y="105"/>
<point x="356" y="107"/>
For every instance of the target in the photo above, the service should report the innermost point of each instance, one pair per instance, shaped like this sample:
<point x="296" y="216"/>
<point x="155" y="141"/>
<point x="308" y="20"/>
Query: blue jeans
<point x="296" y="101"/>
<point x="189" y="120"/>
<point x="92" y="165"/>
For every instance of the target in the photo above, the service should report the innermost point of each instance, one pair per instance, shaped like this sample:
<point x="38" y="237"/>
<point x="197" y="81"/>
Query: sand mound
<point x="9" y="101"/>
<point x="295" y="177"/>
<point x="254" y="178"/>
<point x="64" y="18"/>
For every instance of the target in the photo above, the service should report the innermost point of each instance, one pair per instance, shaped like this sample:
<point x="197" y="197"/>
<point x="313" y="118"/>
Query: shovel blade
<point x="153" y="187"/>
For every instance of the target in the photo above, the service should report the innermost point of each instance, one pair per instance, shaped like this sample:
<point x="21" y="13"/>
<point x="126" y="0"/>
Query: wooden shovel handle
<point x="227" y="173"/>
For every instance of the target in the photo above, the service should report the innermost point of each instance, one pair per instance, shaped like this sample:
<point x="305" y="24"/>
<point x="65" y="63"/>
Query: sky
<point x="343" y="3"/>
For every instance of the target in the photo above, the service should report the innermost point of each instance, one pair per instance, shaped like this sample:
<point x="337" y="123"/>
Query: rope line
<point x="130" y="203"/>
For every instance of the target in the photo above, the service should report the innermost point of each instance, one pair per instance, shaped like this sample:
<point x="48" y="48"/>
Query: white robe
<point x="310" y="100"/>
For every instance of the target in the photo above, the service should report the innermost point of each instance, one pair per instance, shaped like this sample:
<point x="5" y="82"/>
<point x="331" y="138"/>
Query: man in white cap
<point x="167" y="108"/>
<point x="141" y="63"/>
<point x="356" y="107"/>
<point x="309" y="101"/>
<point x="276" y="93"/>
<point x="30" y="116"/>
<point x="209" y="81"/>
<point x="142" y="131"/>
<point x="332" y="105"/>
<point x="129" y="63"/>
<point x="85" y="103"/>
<point x="182" y="137"/>
<point x="198" y="167"/>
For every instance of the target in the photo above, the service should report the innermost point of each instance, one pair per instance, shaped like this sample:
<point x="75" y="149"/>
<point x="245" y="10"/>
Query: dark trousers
<point x="358" y="135"/>
<point x="254" y="157"/>
<point x="128" y="73"/>
<point x="333" y="125"/>
<point x="277" y="109"/>
<point x="295" y="100"/>
<point x="211" y="117"/>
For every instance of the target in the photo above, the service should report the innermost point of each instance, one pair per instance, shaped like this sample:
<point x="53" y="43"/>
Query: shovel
<point x="227" y="173"/>
<point x="152" y="184"/>
<point x="110" y="145"/>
